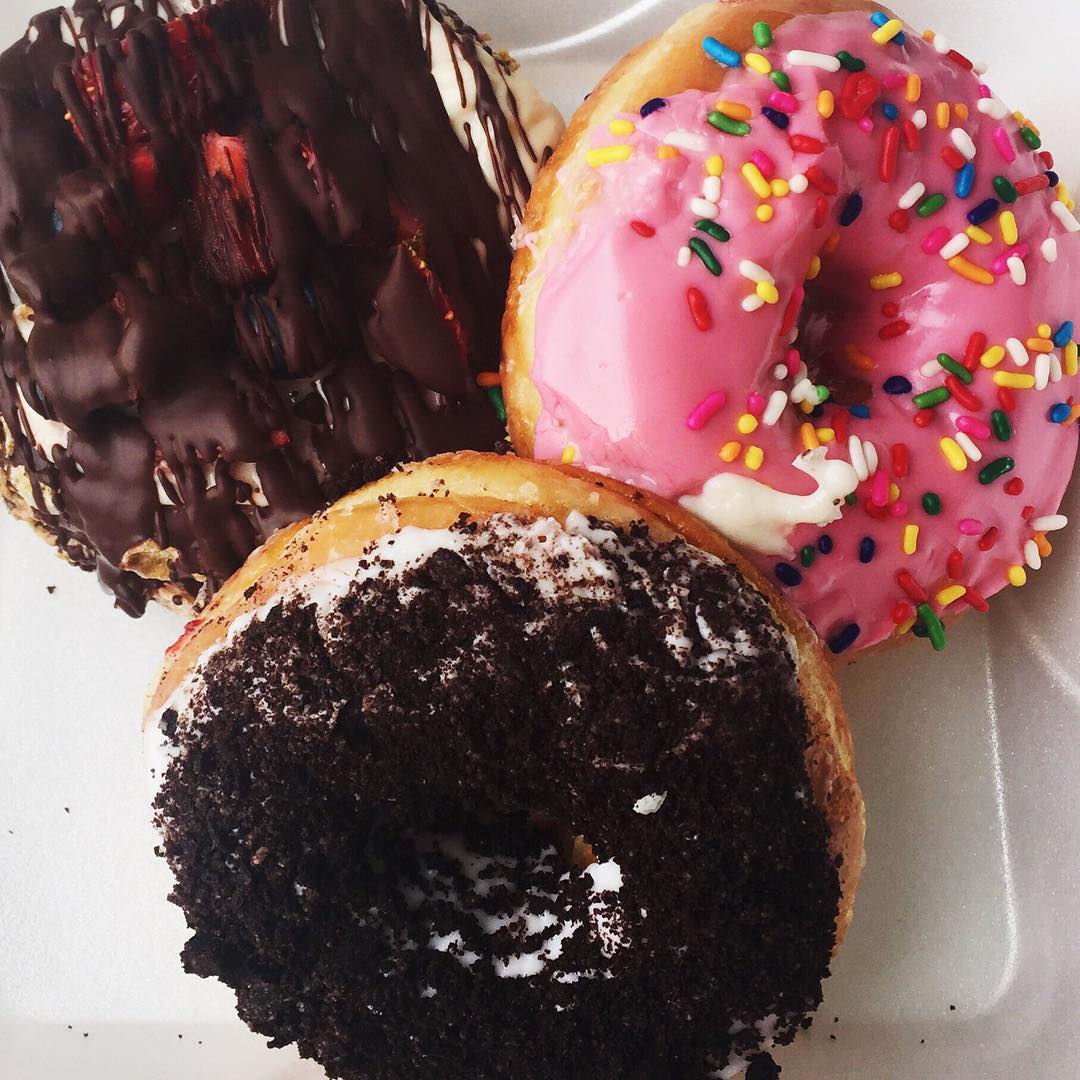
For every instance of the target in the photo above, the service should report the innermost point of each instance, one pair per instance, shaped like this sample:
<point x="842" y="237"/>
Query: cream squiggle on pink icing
<point x="621" y="363"/>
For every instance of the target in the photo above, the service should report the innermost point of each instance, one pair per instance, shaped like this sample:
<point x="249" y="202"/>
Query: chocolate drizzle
<point x="249" y="262"/>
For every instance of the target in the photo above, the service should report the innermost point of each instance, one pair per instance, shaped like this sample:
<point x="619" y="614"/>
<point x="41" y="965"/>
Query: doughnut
<point x="503" y="769"/>
<point x="798" y="268"/>
<point x="256" y="254"/>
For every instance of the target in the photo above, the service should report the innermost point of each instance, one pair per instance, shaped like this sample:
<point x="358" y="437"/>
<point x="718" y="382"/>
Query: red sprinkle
<point x="890" y="309"/>
<point x="839" y="423"/>
<point x="1015" y="486"/>
<point x="1046" y="158"/>
<point x="890" y="150"/>
<point x="859" y="93"/>
<point x="953" y="158"/>
<point x="894" y="330"/>
<point x="988" y="538"/>
<point x="976" y="346"/>
<point x="901" y="460"/>
<point x="955" y="565"/>
<point x="280" y="438"/>
<point x="878" y="513"/>
<point x="959" y="59"/>
<point x="1032" y="184"/>
<point x="699" y="308"/>
<point x="976" y="600"/>
<point x="910" y="586"/>
<point x="821" y="211"/>
<point x="1006" y="399"/>
<point x="912" y="136"/>
<point x="923" y="417"/>
<point x="792" y="312"/>
<point x="1027" y="513"/>
<point x="902" y="612"/>
<point x="899" y="221"/>
<point x="962" y="395"/>
<point x="642" y="229"/>
<point x="806" y="144"/>
<point x="821" y="180"/>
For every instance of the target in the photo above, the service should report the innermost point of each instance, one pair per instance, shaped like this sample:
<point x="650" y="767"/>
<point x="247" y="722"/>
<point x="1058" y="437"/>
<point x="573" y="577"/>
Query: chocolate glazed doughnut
<point x="256" y="255"/>
<point x="496" y="769"/>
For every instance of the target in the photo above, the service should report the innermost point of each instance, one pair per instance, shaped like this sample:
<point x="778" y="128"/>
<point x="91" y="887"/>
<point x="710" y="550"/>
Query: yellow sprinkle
<point x="665" y="153"/>
<point x="1044" y="329"/>
<point x="993" y="356"/>
<point x="967" y="269"/>
<point x="736" y="110"/>
<point x="942" y="114"/>
<point x="754" y="458"/>
<point x="608" y="155"/>
<point x="780" y="188"/>
<point x="622" y="127"/>
<point x="758" y="184"/>
<point x="1014" y="380"/>
<point x="568" y="454"/>
<point x="961" y="110"/>
<point x="1074" y="415"/>
<point x="905" y="627"/>
<point x="979" y="236"/>
<point x="1070" y="357"/>
<point x="764" y="213"/>
<point x="826" y="103"/>
<point x="756" y="62"/>
<point x="714" y="165"/>
<point x="831" y="244"/>
<point x="858" y="359"/>
<point x="911" y="539"/>
<point x="730" y="451"/>
<point x="929" y="35"/>
<point x="1026" y="122"/>
<point x="892" y="280"/>
<point x="913" y="90"/>
<point x="826" y="435"/>
<point x="950" y="594"/>
<point x="806" y="407"/>
<point x="1009" y="232"/>
<point x="953" y="454"/>
<point x="810" y="439"/>
<point x="884" y="34"/>
<point x="1039" y="345"/>
<point x="768" y="292"/>
<point x="894" y="493"/>
<point x="747" y="424"/>
<point x="1046" y="549"/>
<point x="1017" y="576"/>
<point x="815" y="268"/>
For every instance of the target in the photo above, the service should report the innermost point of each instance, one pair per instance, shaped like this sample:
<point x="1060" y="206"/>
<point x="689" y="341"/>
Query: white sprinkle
<point x="1050" y="523"/>
<point x="992" y="107"/>
<point x="703" y="208"/>
<point x="1015" y="348"/>
<point x="713" y="188"/>
<point x="1065" y="216"/>
<point x="801" y="58"/>
<point x="970" y="449"/>
<point x="1017" y="270"/>
<point x="1042" y="371"/>
<point x="858" y="458"/>
<point x="649" y="804"/>
<point x="1032" y="556"/>
<point x="803" y="390"/>
<point x="930" y="368"/>
<point x="798" y="183"/>
<point x="870" y="450"/>
<point x="684" y="257"/>
<point x="941" y="44"/>
<point x="1050" y="250"/>
<point x="964" y="143"/>
<point x="686" y="140"/>
<point x="980" y="67"/>
<point x="960" y="242"/>
<point x="912" y="195"/>
<point x="1056" y="374"/>
<point x="754" y="272"/>
<point x="780" y="372"/>
<point x="775" y="409"/>
<point x="753" y="303"/>
<point x="920" y="119"/>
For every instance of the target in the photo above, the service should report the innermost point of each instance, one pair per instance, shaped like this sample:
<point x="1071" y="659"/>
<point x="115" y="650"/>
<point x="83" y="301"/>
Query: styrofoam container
<point x="970" y="760"/>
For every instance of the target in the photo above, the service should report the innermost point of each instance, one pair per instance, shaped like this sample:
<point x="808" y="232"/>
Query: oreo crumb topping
<point x="513" y="799"/>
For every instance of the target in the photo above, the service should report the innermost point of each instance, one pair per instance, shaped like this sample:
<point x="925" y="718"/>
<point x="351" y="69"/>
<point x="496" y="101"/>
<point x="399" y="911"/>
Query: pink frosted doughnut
<point x="826" y="305"/>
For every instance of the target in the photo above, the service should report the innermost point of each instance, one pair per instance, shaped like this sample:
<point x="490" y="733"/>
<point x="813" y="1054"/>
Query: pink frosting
<point x="644" y="366"/>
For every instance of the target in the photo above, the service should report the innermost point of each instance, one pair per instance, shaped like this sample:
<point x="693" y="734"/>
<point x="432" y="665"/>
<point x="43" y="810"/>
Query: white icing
<point x="649" y="804"/>
<point x="46" y="434"/>
<point x="757" y="516"/>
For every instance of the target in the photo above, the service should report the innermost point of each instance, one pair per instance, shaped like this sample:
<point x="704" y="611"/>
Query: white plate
<point x="969" y="760"/>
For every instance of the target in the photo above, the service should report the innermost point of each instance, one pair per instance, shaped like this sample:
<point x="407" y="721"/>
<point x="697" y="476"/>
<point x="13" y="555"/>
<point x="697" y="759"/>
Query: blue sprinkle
<point x="781" y="120"/>
<point x="787" y="575"/>
<point x="817" y="412"/>
<point x="879" y="18"/>
<point x="860" y="411"/>
<point x="843" y="641"/>
<point x="852" y="209"/>
<point x="983" y="212"/>
<point x="867" y="548"/>
<point x="57" y="222"/>
<point x="651" y="106"/>
<point x="965" y="180"/>
<point x="1053" y="178"/>
<point x="897" y="384"/>
<point x="1059" y="413"/>
<point x="1064" y="335"/>
<point x="721" y="53"/>
<point x="890" y="110"/>
<point x="825" y="544"/>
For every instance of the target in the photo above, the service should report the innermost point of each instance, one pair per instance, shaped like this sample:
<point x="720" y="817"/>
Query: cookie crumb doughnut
<point x="796" y="266"/>
<point x="257" y="253"/>
<point x="496" y="769"/>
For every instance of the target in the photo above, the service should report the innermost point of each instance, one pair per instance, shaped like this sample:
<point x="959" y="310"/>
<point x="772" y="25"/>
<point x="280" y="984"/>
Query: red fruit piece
<point x="859" y="94"/>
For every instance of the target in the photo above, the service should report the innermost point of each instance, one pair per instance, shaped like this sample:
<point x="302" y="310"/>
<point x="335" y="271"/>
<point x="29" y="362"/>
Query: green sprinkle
<point x="1001" y="424"/>
<point x="953" y="368"/>
<point x="781" y="80"/>
<point x="822" y="394"/>
<point x="496" y="395"/>
<point x="851" y="499"/>
<point x="729" y="126"/>
<point x="935" y="631"/>
<point x="1006" y="192"/>
<point x="717" y="232"/>
<point x="931" y="503"/>
<point x="1031" y="138"/>
<point x="849" y="62"/>
<point x="930" y="205"/>
<point x="704" y="253"/>
<point x="932" y="398"/>
<point x="807" y="555"/>
<point x="762" y="35"/>
<point x="996" y="469"/>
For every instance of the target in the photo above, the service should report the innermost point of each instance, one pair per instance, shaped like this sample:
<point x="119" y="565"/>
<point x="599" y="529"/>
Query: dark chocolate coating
<point x="241" y="251"/>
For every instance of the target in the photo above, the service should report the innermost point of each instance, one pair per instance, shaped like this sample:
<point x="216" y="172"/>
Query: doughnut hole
<point x="830" y="303"/>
